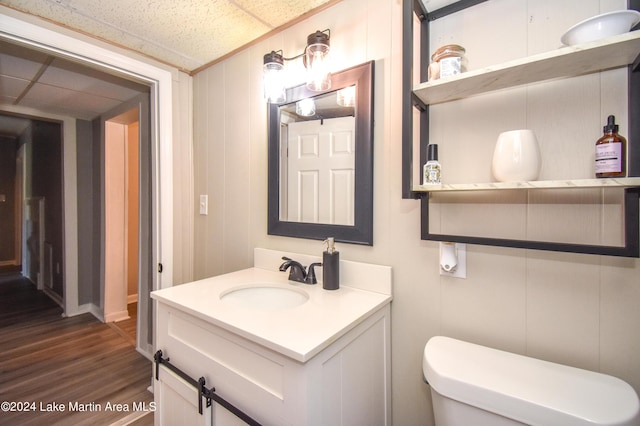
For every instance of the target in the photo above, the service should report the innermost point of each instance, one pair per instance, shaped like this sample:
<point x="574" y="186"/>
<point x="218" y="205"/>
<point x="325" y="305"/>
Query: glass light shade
<point x="273" y="78"/>
<point x="306" y="107"/>
<point x="317" y="62"/>
<point x="346" y="97"/>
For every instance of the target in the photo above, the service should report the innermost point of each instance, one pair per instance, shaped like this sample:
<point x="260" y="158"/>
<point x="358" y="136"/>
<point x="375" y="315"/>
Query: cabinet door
<point x="177" y="402"/>
<point x="354" y="382"/>
<point x="223" y="417"/>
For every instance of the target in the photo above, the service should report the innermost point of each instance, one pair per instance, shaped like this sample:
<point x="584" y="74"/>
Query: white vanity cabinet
<point x="326" y="362"/>
<point x="345" y="384"/>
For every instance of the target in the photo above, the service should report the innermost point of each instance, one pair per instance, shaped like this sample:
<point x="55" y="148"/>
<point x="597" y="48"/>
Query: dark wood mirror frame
<point x="362" y="76"/>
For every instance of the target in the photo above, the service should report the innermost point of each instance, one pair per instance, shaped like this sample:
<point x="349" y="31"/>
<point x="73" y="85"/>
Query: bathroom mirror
<point x="320" y="176"/>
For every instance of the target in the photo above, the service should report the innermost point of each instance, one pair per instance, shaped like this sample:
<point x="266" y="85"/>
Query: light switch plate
<point x="204" y="204"/>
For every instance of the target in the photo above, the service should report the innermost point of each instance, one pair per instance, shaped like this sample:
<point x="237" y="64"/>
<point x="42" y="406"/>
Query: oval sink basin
<point x="265" y="297"/>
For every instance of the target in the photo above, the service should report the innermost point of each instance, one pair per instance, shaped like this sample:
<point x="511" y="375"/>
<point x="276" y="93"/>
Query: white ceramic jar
<point x="516" y="156"/>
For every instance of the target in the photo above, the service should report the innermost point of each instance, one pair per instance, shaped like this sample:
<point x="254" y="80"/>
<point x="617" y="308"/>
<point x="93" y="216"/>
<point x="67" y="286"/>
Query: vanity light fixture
<point x="346" y="97"/>
<point x="315" y="59"/>
<point x="306" y="107"/>
<point x="273" y="78"/>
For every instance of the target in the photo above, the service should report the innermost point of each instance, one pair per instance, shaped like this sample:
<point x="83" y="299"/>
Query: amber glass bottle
<point x="611" y="149"/>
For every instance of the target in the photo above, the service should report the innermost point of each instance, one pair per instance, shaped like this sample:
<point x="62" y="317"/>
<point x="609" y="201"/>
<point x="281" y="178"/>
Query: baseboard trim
<point x="88" y="308"/>
<point x="97" y="312"/>
<point x="116" y="316"/>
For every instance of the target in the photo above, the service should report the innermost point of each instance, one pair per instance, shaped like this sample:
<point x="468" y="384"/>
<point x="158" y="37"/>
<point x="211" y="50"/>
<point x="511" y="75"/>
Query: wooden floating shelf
<point x="629" y="182"/>
<point x="611" y="52"/>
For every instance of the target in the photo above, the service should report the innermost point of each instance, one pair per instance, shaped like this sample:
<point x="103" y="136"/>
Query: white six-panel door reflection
<point x="321" y="171"/>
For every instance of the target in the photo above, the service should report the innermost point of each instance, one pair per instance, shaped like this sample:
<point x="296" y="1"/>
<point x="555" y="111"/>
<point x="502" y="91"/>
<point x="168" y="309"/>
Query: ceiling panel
<point x="66" y="101"/>
<point x="11" y="87"/>
<point x="33" y="79"/>
<point x="278" y="13"/>
<point x="16" y="61"/>
<point x="185" y="33"/>
<point x="71" y="75"/>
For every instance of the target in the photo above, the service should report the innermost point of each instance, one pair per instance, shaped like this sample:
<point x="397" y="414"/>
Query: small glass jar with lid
<point x="448" y="60"/>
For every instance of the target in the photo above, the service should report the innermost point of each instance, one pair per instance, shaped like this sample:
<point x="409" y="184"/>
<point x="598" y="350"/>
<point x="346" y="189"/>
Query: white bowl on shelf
<point x="601" y="26"/>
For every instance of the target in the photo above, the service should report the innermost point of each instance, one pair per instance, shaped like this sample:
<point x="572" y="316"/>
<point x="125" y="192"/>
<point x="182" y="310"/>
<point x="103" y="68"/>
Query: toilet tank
<point x="525" y="389"/>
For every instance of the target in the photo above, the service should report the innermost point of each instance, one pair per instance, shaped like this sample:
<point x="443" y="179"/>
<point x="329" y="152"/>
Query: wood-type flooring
<point x="66" y="371"/>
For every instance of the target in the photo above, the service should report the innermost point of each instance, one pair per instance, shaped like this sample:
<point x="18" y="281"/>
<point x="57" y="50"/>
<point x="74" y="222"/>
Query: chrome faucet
<point x="298" y="273"/>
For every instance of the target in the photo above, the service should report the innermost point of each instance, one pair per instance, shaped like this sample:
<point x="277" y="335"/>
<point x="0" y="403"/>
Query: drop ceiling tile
<point x="66" y="112"/>
<point x="228" y="29"/>
<point x="64" y="87"/>
<point x="12" y="87"/>
<point x="185" y="33"/>
<point x="6" y="100"/>
<point x="17" y="61"/>
<point x="79" y="78"/>
<point x="47" y="98"/>
<point x="277" y="13"/>
<point x="199" y="31"/>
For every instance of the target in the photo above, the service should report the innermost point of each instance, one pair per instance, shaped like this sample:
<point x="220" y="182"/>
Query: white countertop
<point x="299" y="332"/>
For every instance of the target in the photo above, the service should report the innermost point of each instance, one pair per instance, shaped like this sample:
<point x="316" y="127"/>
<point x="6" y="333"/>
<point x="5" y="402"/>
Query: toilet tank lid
<point x="526" y="389"/>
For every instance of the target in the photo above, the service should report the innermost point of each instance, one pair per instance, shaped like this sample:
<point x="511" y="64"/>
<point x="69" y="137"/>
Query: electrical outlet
<point x="460" y="253"/>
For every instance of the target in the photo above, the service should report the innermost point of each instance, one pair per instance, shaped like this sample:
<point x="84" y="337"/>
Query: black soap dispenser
<point x="330" y="266"/>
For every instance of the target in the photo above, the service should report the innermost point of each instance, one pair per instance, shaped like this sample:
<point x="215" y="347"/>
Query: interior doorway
<point x="156" y="232"/>
<point x="122" y="190"/>
<point x="32" y="227"/>
<point x="127" y="225"/>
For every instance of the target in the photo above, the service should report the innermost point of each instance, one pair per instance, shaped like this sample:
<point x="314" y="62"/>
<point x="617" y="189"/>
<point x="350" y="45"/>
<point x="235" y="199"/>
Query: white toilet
<point x="476" y="385"/>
